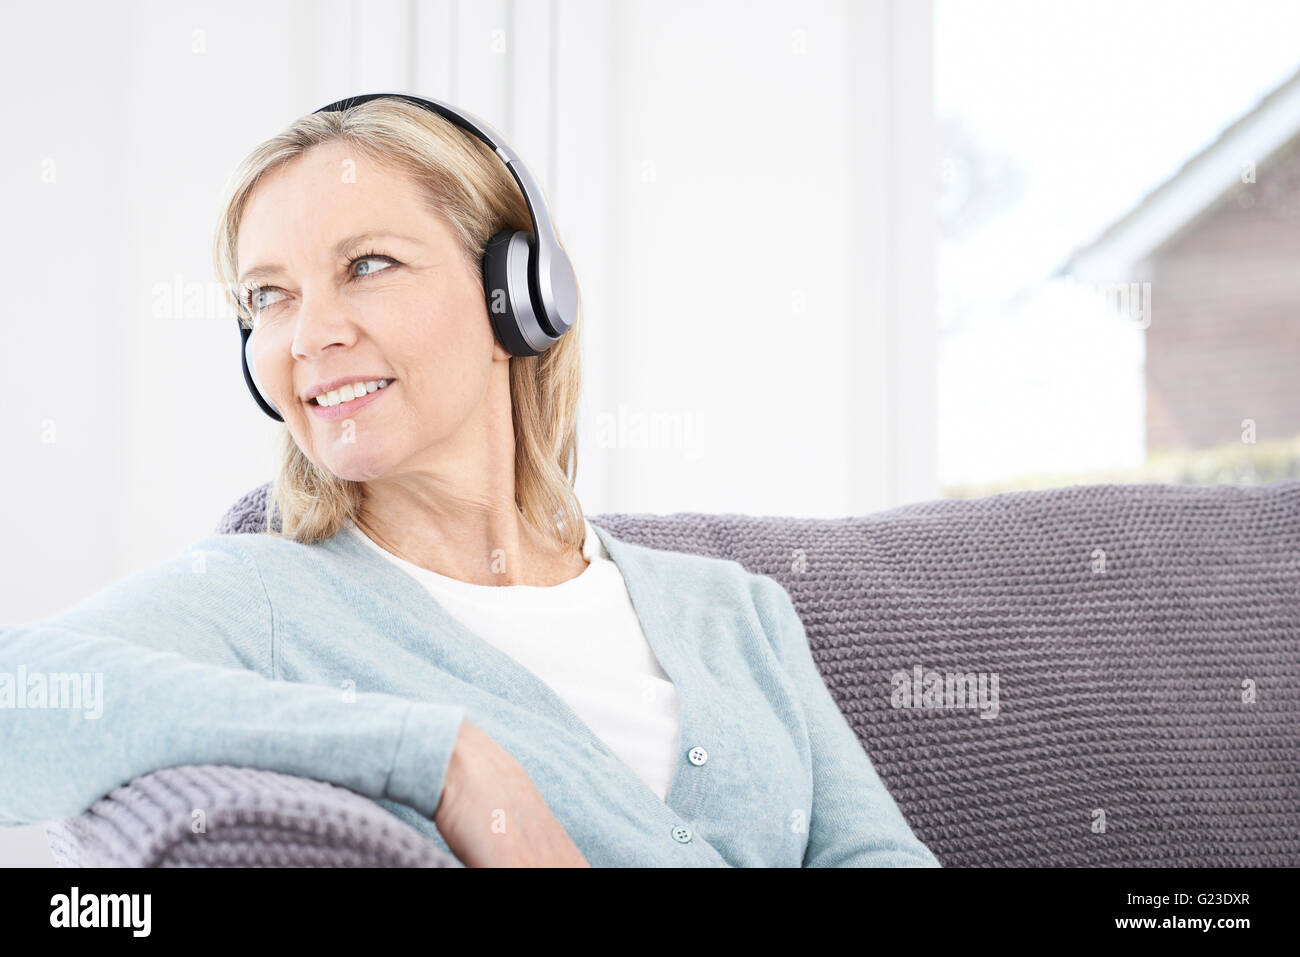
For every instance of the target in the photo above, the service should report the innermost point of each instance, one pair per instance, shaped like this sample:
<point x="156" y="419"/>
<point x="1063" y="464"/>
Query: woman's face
<point x="353" y="277"/>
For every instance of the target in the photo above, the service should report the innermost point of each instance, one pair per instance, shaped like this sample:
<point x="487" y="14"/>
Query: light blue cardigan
<point x="329" y="662"/>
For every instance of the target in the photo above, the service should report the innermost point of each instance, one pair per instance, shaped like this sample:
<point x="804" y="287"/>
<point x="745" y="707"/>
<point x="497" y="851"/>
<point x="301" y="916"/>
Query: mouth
<point x="360" y="395"/>
<point x="348" y="393"/>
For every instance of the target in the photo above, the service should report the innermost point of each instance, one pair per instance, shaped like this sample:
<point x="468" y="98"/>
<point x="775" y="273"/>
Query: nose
<point x="323" y="321"/>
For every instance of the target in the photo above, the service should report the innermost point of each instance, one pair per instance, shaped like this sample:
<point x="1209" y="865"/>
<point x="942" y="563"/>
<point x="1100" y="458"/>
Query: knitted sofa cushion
<point x="218" y="816"/>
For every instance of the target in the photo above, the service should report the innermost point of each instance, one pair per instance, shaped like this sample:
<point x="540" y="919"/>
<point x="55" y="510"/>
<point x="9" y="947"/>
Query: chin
<point x="358" y="468"/>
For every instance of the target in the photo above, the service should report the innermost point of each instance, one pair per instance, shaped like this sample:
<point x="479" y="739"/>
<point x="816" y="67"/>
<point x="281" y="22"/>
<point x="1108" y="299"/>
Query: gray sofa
<point x="1145" y="638"/>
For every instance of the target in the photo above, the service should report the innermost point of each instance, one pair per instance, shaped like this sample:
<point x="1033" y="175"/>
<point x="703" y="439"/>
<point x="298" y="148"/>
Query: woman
<point x="437" y="625"/>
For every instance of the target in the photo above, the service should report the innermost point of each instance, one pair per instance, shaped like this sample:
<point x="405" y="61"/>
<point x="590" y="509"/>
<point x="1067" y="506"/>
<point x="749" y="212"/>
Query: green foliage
<point x="1236" y="463"/>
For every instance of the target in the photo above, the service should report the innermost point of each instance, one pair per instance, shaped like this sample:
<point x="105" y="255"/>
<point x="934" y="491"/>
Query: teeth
<point x="349" y="392"/>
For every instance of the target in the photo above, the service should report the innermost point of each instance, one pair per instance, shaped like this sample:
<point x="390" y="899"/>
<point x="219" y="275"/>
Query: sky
<point x="1095" y="104"/>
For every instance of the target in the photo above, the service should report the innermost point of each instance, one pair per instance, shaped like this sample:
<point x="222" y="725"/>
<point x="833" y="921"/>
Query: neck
<point x="495" y="545"/>
<point x="452" y="509"/>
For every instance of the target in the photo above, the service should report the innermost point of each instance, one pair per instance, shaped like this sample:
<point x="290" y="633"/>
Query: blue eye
<point x="254" y="302"/>
<point x="363" y="259"/>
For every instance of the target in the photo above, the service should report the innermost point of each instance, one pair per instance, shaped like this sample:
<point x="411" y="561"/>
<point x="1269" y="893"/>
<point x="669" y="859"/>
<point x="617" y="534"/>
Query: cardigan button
<point x="697" y="756"/>
<point x="682" y="835"/>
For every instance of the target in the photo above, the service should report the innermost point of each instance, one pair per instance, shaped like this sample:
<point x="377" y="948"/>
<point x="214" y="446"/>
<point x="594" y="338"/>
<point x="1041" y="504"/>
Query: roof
<point x="1206" y="177"/>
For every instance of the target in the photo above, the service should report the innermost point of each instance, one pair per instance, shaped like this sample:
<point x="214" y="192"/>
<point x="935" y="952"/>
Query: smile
<point x="349" y="393"/>
<point x="349" y="399"/>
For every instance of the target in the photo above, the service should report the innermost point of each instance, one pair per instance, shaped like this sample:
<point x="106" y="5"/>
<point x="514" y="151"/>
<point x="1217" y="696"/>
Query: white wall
<point x="746" y="189"/>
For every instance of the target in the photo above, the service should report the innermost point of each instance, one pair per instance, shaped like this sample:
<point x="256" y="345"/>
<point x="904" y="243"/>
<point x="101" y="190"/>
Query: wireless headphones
<point x="528" y="281"/>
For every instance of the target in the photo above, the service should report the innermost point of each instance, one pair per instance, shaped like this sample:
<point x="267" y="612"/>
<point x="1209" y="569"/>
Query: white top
<point x="581" y="637"/>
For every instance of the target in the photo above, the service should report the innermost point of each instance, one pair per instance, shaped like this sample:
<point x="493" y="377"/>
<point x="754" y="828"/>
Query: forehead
<point x="328" y="192"/>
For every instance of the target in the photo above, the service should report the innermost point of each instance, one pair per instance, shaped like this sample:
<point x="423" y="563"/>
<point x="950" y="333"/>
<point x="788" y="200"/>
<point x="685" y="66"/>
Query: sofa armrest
<point x="218" y="816"/>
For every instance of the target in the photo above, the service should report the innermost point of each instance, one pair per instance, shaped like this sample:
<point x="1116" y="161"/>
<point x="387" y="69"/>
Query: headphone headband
<point x="542" y="225"/>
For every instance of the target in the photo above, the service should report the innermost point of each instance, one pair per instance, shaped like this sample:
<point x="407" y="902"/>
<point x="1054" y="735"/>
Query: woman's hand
<point x="491" y="813"/>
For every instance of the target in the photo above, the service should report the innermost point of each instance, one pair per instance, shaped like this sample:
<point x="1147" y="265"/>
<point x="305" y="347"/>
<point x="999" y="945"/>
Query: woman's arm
<point x="854" y="821"/>
<point x="173" y="666"/>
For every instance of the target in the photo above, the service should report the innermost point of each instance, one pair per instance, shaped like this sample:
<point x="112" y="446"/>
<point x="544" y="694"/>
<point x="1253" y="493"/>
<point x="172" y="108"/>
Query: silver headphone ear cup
<point x="558" y="297"/>
<point x="507" y="296"/>
<point x="528" y="319"/>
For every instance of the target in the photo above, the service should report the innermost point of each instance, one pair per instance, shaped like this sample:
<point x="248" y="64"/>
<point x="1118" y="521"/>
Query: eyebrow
<point x="272" y="269"/>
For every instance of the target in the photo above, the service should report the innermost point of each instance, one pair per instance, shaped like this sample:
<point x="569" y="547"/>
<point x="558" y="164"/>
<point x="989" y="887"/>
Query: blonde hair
<point x="467" y="184"/>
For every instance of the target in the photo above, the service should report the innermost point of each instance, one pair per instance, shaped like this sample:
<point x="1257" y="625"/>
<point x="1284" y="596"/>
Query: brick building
<point x="1220" y="244"/>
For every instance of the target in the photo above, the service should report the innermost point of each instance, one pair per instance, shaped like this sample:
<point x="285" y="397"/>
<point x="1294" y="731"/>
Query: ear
<point x="499" y="351"/>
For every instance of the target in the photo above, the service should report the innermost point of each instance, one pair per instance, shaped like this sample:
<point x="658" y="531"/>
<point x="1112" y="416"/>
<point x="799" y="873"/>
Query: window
<point x="1119" y="210"/>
